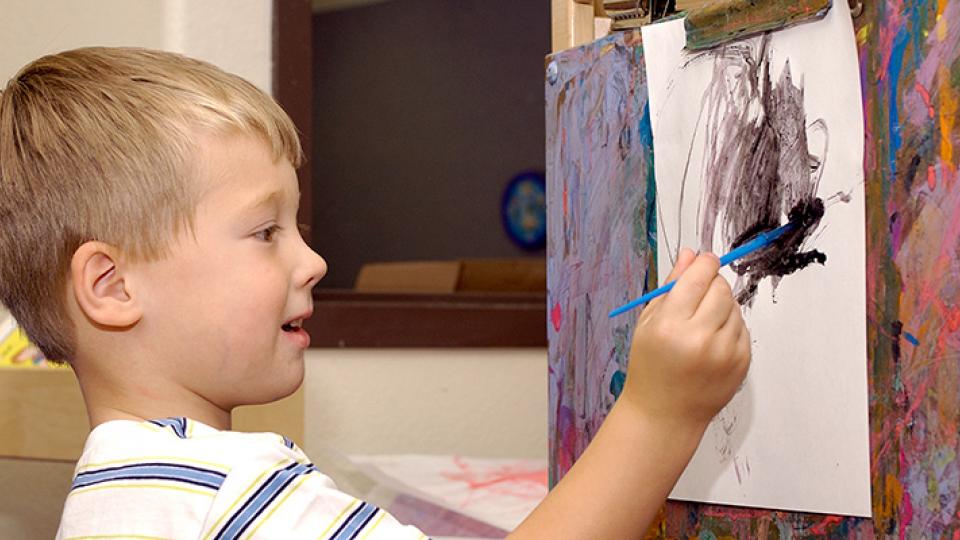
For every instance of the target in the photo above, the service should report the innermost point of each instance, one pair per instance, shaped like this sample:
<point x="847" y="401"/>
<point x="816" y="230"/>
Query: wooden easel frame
<point x="573" y="23"/>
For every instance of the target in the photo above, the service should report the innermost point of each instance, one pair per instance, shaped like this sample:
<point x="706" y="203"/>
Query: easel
<point x="908" y="60"/>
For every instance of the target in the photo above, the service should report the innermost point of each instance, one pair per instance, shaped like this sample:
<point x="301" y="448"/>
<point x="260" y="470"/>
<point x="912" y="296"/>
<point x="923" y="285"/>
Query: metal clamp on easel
<point x="626" y="14"/>
<point x="856" y="8"/>
<point x="712" y="22"/>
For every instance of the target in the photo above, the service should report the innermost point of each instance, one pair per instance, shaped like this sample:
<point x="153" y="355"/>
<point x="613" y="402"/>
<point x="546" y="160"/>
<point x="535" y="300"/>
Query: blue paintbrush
<point x="760" y="241"/>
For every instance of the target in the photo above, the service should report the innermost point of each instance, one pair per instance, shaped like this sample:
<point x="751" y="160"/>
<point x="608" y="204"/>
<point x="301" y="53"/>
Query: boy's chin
<point x="272" y="388"/>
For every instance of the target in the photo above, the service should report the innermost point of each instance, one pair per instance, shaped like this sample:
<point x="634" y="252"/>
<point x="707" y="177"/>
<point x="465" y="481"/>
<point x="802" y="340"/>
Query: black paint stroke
<point x="758" y="166"/>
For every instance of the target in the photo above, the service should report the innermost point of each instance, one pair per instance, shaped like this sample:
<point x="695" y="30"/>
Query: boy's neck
<point x="108" y="400"/>
<point x="99" y="415"/>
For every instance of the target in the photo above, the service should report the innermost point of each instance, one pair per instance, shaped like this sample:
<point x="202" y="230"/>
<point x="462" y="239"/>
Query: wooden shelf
<point x="346" y="318"/>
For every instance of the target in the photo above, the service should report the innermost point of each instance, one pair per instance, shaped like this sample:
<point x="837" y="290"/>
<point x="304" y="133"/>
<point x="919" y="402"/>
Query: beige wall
<point x="475" y="402"/>
<point x="234" y="34"/>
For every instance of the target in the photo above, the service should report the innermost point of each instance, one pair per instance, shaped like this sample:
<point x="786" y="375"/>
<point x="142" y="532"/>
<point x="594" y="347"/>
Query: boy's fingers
<point x="743" y="347"/>
<point x="736" y="318"/>
<point x="691" y="287"/>
<point x="716" y="308"/>
<point x="684" y="259"/>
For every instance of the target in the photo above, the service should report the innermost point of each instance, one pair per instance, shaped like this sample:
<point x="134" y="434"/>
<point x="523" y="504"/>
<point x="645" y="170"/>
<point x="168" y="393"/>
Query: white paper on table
<point x="796" y="436"/>
<point x="500" y="492"/>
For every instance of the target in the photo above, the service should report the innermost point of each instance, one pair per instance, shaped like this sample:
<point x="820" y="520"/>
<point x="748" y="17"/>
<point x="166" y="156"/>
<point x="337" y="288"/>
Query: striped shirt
<point x="178" y="478"/>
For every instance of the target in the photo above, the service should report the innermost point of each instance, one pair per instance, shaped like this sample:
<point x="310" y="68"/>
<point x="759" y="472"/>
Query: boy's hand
<point x="690" y="350"/>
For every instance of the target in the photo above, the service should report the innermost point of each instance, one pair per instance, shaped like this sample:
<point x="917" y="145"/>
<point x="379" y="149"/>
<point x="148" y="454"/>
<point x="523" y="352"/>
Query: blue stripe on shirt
<point x="152" y="471"/>
<point x="177" y="424"/>
<point x="261" y="499"/>
<point x="355" y="522"/>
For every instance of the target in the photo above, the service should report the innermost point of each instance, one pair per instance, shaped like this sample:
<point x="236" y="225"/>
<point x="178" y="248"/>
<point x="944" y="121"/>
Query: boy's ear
<point x="101" y="286"/>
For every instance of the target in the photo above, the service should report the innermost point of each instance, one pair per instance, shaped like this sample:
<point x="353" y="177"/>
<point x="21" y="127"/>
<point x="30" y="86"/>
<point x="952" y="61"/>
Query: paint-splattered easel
<point x="909" y="54"/>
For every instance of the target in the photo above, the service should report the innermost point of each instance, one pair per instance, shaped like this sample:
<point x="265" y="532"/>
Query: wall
<point x="474" y="402"/>
<point x="235" y="35"/>
<point x="424" y="111"/>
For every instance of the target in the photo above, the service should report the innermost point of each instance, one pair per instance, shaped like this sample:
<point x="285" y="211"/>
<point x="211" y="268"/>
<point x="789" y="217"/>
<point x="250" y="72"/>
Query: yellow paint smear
<point x="892" y="499"/>
<point x="863" y="34"/>
<point x="948" y="111"/>
<point x="941" y="22"/>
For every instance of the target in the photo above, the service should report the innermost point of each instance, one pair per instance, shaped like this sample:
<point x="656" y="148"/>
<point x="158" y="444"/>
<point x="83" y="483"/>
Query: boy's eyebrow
<point x="272" y="199"/>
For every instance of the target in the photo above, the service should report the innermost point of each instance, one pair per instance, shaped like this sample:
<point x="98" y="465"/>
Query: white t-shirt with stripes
<point x="178" y="478"/>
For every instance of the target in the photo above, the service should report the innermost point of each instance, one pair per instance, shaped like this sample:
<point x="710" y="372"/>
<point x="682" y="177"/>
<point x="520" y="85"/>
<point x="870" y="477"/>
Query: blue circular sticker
<point x="524" y="210"/>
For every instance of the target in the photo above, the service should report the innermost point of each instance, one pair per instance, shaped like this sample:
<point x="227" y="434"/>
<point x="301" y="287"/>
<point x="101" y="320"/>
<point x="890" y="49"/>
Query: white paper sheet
<point x="501" y="492"/>
<point x="796" y="436"/>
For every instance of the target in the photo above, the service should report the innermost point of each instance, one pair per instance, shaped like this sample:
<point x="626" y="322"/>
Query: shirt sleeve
<point x="291" y="499"/>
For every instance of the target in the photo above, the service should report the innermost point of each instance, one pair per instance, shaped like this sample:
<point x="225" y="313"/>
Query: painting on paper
<point x="749" y="136"/>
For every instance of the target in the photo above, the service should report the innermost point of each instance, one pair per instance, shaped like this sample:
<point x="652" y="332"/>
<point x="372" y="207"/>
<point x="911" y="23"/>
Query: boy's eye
<point x="266" y="235"/>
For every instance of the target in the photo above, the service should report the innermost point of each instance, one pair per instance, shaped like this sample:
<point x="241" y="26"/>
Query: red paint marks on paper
<point x="515" y="480"/>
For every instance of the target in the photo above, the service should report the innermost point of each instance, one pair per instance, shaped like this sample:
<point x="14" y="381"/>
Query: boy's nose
<point x="313" y="268"/>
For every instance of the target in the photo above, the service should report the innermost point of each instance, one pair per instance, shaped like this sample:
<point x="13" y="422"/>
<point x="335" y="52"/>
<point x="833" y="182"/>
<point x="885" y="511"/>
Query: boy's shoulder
<point x="177" y="478"/>
<point x="179" y="438"/>
<point x="168" y="477"/>
<point x="179" y="452"/>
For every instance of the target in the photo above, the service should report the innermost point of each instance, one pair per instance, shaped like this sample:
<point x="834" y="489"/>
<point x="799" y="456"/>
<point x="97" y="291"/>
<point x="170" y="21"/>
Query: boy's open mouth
<point x="292" y="326"/>
<point x="295" y="331"/>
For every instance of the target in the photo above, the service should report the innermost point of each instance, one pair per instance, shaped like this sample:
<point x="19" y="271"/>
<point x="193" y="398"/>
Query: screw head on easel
<point x="856" y="7"/>
<point x="553" y="72"/>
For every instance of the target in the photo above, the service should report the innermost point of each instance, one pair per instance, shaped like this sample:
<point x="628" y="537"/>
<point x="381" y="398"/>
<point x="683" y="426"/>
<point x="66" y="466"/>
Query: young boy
<point x="148" y="229"/>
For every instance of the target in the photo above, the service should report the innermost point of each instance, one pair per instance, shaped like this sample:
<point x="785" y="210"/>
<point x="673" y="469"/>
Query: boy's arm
<point x="689" y="354"/>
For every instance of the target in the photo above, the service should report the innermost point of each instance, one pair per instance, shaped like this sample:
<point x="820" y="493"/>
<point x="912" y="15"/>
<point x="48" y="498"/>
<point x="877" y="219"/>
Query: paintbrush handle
<point x="760" y="241"/>
<point x="644" y="299"/>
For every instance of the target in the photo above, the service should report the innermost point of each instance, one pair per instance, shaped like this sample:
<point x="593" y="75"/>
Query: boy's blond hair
<point x="98" y="144"/>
